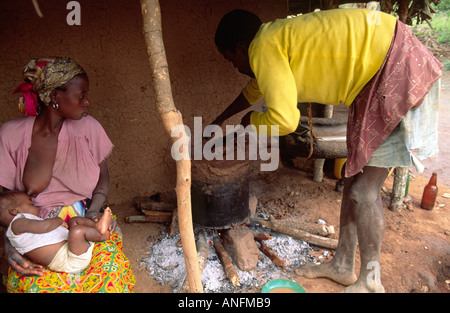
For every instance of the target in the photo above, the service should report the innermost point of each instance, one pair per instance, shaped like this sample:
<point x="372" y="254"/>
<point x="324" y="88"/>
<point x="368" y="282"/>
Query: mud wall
<point x="110" y="46"/>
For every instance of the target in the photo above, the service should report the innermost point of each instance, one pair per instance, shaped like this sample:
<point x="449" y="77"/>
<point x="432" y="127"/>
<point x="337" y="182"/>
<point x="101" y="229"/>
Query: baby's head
<point x="12" y="203"/>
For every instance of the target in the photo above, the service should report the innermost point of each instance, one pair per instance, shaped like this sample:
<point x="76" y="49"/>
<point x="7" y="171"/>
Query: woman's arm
<point x="21" y="264"/>
<point x="100" y="192"/>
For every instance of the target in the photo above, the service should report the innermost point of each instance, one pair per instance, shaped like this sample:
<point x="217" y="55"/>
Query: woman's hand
<point x="95" y="216"/>
<point x="21" y="264"/>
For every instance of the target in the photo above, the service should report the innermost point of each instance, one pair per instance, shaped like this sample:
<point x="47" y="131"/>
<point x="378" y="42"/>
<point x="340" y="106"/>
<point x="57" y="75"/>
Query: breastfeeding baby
<point x="60" y="246"/>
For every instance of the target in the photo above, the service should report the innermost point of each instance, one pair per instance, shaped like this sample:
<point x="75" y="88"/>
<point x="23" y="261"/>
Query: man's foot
<point x="362" y="287"/>
<point x="105" y="220"/>
<point x="326" y="270"/>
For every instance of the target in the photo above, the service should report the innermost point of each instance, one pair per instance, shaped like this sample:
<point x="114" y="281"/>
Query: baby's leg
<point x="104" y="221"/>
<point x="78" y="220"/>
<point x="102" y="225"/>
<point x="80" y="235"/>
<point x="83" y="230"/>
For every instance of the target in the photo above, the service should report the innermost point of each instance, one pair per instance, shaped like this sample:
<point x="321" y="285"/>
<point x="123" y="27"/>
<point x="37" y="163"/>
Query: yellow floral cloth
<point x="109" y="272"/>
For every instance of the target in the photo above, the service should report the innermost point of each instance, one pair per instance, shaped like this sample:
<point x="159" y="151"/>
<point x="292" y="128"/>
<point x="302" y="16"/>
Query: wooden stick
<point x="272" y="256"/>
<point x="150" y="217"/>
<point x="158" y="213"/>
<point x="316" y="229"/>
<point x="261" y="236"/>
<point x="155" y="206"/>
<point x="171" y="118"/>
<point x="202" y="253"/>
<point x="298" y="233"/>
<point x="228" y="267"/>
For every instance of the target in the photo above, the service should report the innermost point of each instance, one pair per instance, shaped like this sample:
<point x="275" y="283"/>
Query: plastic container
<point x="282" y="286"/>
<point x="338" y="165"/>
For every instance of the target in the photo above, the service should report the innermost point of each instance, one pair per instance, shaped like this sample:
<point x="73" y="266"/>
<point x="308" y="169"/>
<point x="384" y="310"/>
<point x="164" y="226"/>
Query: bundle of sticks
<point x="230" y="270"/>
<point x="315" y="234"/>
<point x="225" y="259"/>
<point x="154" y="210"/>
<point x="260" y="237"/>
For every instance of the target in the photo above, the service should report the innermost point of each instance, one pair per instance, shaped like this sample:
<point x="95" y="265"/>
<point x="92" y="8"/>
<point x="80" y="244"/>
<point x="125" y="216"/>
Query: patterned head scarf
<point x="42" y="76"/>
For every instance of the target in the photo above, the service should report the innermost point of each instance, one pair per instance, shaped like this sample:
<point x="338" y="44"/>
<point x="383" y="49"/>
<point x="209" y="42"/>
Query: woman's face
<point x="73" y="102"/>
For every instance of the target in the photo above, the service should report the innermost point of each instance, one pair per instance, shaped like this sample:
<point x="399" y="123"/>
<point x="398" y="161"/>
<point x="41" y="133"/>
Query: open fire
<point x="233" y="256"/>
<point x="166" y="262"/>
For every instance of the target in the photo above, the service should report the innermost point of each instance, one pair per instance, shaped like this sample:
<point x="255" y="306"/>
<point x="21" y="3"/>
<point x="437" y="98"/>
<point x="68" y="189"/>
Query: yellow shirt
<point x="325" y="57"/>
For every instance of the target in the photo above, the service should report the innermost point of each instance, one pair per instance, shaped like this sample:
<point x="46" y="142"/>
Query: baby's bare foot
<point x="105" y="220"/>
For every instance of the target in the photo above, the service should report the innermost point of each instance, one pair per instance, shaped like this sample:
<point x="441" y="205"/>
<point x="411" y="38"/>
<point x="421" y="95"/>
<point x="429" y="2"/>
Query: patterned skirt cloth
<point x="399" y="87"/>
<point x="109" y="272"/>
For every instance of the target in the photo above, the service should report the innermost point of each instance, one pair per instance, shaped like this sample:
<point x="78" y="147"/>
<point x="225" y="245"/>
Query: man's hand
<point x="218" y="121"/>
<point x="245" y="121"/>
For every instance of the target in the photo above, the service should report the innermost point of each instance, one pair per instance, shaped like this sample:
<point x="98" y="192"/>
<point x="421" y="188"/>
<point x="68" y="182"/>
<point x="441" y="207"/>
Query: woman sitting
<point x="57" y="155"/>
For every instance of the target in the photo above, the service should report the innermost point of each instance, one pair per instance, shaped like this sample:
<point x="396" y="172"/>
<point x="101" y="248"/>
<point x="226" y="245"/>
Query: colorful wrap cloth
<point x="109" y="272"/>
<point x="68" y="211"/>
<point x="42" y="76"/>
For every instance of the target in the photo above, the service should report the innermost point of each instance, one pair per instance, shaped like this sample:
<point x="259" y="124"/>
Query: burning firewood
<point x="228" y="267"/>
<point x="298" y="233"/>
<point x="261" y="236"/>
<point x="272" y="256"/>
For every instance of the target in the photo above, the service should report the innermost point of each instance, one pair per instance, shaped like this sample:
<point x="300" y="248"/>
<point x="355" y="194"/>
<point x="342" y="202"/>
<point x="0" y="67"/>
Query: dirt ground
<point x="415" y="254"/>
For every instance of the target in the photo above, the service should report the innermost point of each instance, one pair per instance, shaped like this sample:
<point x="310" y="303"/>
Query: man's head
<point x="234" y="34"/>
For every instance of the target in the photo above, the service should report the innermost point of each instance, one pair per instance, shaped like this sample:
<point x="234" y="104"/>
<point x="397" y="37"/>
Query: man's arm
<point x="238" y="105"/>
<point x="277" y="83"/>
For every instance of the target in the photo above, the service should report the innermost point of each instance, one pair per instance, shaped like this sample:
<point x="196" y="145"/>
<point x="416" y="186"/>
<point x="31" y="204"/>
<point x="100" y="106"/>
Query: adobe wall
<point x="110" y="46"/>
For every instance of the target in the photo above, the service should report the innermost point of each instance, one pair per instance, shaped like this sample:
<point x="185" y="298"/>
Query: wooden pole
<point x="171" y="117"/>
<point x="202" y="252"/>
<point x="398" y="189"/>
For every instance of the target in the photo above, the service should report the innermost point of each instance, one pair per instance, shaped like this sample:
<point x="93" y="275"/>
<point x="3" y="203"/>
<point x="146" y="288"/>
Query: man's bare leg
<point x="370" y="222"/>
<point x="341" y="268"/>
<point x="362" y="220"/>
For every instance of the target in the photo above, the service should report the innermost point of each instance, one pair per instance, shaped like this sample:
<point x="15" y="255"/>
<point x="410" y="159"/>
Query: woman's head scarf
<point x="42" y="76"/>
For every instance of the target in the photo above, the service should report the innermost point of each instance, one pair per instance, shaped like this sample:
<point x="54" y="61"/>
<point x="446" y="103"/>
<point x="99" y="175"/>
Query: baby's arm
<point x="24" y="225"/>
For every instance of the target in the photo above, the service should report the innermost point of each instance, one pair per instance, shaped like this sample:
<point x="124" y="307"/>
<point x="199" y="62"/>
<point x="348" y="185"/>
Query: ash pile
<point x="167" y="266"/>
